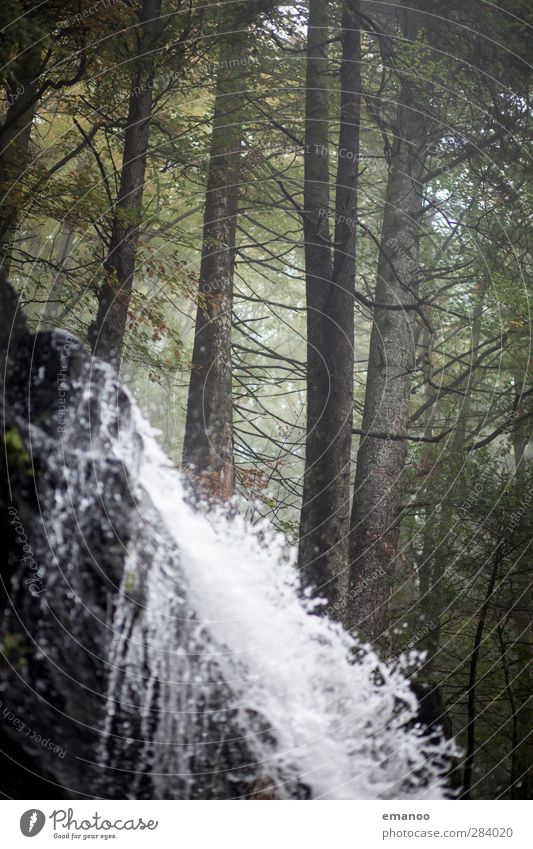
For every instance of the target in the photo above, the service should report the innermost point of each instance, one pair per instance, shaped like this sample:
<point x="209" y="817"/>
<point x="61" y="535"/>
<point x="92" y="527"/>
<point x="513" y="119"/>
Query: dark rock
<point x="59" y="573"/>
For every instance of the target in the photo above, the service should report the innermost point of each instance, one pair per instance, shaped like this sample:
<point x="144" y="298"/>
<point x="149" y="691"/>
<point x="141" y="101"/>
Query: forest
<point x="266" y="478"/>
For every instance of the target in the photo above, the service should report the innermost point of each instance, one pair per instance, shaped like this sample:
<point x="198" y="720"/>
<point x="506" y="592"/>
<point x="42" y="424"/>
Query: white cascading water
<point x="221" y="602"/>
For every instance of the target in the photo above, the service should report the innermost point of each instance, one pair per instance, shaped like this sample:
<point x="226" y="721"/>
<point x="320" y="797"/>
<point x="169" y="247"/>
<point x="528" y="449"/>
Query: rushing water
<point x="224" y="677"/>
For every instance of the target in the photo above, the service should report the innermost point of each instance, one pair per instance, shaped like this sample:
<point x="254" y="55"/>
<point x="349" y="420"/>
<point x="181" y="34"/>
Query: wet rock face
<point x="65" y="518"/>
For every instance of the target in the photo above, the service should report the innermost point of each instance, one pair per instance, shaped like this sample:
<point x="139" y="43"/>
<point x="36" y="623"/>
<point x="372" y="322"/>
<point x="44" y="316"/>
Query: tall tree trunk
<point x="15" y="134"/>
<point x="107" y="331"/>
<point x="208" y="442"/>
<point x="380" y="462"/>
<point x="330" y="278"/>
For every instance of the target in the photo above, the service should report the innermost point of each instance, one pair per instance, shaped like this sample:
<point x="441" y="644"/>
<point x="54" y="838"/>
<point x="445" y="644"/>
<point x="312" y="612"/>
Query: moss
<point x="15" y="450"/>
<point x="13" y="651"/>
<point x="130" y="582"/>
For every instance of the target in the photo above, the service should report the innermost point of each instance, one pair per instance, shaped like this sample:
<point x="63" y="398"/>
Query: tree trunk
<point x="208" y="442"/>
<point x="330" y="278"/>
<point x="380" y="462"/>
<point x="106" y="334"/>
<point x="15" y="135"/>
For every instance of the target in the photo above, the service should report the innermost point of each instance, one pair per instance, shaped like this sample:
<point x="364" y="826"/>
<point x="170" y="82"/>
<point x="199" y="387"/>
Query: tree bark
<point x="380" y="462"/>
<point x="15" y="134"/>
<point x="208" y="442"/>
<point x="106" y="333"/>
<point x="330" y="281"/>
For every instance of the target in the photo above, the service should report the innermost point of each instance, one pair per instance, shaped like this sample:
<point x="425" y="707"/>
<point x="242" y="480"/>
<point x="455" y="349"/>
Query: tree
<point x="392" y="357"/>
<point x="330" y="281"/>
<point x="208" y="441"/>
<point x="107" y="332"/>
<point x="15" y="145"/>
<point x="33" y="64"/>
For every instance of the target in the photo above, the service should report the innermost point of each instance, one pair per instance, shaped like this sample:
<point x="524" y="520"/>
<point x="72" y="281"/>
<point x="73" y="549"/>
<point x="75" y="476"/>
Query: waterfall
<point x="170" y="652"/>
<point x="224" y="676"/>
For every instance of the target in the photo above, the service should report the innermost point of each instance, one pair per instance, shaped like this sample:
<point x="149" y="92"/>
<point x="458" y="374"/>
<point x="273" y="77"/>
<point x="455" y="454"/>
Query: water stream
<point x="225" y="678"/>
